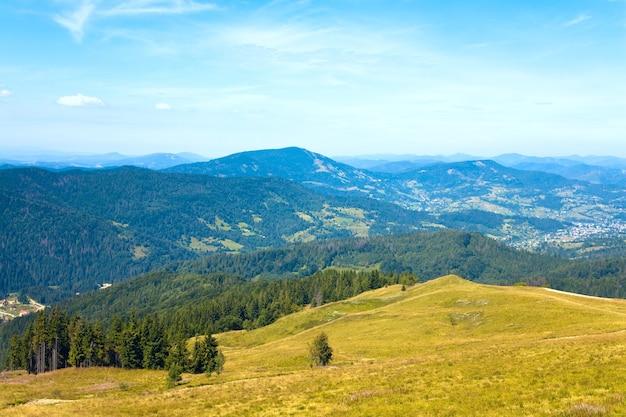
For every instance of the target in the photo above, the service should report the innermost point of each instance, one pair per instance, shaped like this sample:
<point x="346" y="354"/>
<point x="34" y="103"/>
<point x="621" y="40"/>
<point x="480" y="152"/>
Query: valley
<point x="265" y="257"/>
<point x="144" y="219"/>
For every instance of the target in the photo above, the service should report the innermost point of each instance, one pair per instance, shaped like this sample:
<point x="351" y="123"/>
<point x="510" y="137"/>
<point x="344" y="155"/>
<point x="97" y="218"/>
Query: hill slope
<point x="185" y="289"/>
<point x="75" y="229"/>
<point x="525" y="206"/>
<point x="446" y="347"/>
<point x="296" y="164"/>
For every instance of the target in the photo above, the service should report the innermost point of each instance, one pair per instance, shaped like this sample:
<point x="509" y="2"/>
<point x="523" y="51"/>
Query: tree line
<point x="146" y="329"/>
<point x="56" y="341"/>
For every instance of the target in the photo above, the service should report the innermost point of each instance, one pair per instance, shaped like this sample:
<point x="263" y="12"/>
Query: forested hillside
<point x="216" y="290"/>
<point x="72" y="230"/>
<point x="67" y="232"/>
<point x="428" y="255"/>
<point x="438" y="188"/>
<point x="144" y="322"/>
<point x="249" y="290"/>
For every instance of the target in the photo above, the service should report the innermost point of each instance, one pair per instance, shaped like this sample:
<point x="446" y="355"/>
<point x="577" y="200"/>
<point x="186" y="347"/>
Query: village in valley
<point x="11" y="307"/>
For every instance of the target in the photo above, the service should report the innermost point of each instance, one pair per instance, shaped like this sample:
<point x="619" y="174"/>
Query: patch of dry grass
<point x="514" y="351"/>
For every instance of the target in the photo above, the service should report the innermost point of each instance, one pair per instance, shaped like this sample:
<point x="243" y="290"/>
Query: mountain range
<point x="60" y="161"/>
<point x="74" y="228"/>
<point x="244" y="241"/>
<point x="520" y="206"/>
<point x="594" y="169"/>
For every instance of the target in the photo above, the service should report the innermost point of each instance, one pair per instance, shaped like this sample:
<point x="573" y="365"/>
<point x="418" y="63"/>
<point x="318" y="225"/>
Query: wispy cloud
<point x="579" y="19"/>
<point x="5" y="93"/>
<point x="80" y="100"/>
<point x="162" y="106"/>
<point x="139" y="7"/>
<point x="487" y="44"/>
<point x="332" y="80"/>
<point x="75" y="20"/>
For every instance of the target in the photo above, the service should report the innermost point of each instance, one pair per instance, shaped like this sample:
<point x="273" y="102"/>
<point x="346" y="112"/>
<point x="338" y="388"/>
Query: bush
<point x="321" y="353"/>
<point x="174" y="376"/>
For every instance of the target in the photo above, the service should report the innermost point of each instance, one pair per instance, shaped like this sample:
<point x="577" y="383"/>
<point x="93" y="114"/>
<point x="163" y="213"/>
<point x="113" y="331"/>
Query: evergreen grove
<point x="159" y="339"/>
<point x="55" y="341"/>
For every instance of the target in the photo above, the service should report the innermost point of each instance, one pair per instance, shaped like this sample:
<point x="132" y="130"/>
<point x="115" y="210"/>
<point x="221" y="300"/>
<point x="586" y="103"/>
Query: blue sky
<point x="343" y="77"/>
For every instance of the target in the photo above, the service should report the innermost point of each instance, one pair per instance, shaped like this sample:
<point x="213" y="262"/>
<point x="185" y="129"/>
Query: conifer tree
<point x="39" y="343"/>
<point x="114" y="340"/>
<point x="320" y="352"/>
<point x="58" y="339"/>
<point x="18" y="353"/>
<point x="78" y="349"/>
<point x="153" y="342"/>
<point x="131" y="353"/>
<point x="178" y="354"/>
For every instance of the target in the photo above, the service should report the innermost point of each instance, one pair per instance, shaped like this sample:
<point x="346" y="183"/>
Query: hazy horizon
<point x="61" y="156"/>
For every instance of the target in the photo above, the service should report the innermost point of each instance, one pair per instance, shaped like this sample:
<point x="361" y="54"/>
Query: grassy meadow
<point x="447" y="347"/>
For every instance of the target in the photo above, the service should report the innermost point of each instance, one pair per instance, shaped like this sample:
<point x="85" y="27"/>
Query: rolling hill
<point x="445" y="347"/>
<point x="67" y="161"/>
<point x="526" y="206"/>
<point x="296" y="164"/>
<point x="66" y="232"/>
<point x="594" y="169"/>
<point x="70" y="230"/>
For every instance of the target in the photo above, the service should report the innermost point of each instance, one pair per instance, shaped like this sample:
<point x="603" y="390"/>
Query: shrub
<point x="320" y="352"/>
<point x="174" y="376"/>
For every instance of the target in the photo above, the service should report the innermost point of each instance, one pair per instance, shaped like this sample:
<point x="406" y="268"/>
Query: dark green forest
<point x="144" y="329"/>
<point x="248" y="290"/>
<point x="66" y="232"/>
<point x="194" y="255"/>
<point x="74" y="229"/>
<point x="55" y="341"/>
<point x="428" y="255"/>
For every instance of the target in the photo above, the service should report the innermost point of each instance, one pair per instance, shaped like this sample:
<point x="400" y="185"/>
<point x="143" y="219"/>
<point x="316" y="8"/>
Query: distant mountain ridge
<point x="594" y="169"/>
<point x="440" y="188"/>
<point x="81" y="227"/>
<point x="296" y="164"/>
<point x="524" y="207"/>
<point x="63" y="162"/>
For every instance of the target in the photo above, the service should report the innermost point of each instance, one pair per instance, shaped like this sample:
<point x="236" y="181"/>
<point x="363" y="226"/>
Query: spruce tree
<point x="321" y="353"/>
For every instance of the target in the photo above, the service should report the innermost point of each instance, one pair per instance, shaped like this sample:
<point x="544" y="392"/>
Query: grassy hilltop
<point x="447" y="347"/>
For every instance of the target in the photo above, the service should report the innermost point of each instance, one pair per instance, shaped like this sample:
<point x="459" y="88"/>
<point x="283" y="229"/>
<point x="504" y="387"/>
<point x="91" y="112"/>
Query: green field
<point x="448" y="347"/>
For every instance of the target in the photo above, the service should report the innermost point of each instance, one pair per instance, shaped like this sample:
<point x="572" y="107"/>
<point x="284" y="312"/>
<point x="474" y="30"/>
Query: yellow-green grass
<point x="231" y="244"/>
<point x="444" y="348"/>
<point x="202" y="245"/>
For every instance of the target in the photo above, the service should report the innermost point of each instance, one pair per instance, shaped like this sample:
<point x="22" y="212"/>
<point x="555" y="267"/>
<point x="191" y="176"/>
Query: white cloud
<point x="75" y="21"/>
<point x="80" y="100"/>
<point x="331" y="80"/>
<point x="138" y="7"/>
<point x="5" y="93"/>
<point x="163" y="106"/>
<point x="579" y="19"/>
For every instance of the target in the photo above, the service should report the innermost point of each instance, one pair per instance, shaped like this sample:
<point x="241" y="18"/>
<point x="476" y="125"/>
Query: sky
<point x="341" y="77"/>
